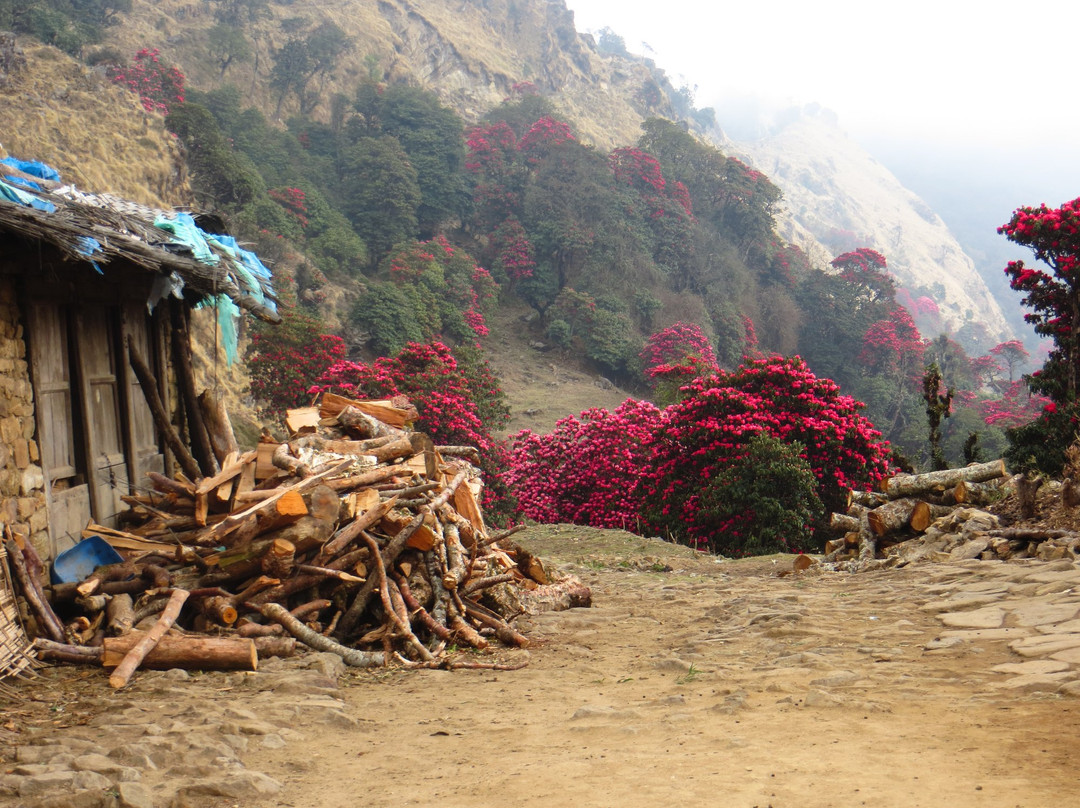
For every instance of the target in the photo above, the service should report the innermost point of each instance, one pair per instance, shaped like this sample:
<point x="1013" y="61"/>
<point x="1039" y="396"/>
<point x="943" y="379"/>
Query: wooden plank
<point x="302" y="419"/>
<point x="331" y="404"/>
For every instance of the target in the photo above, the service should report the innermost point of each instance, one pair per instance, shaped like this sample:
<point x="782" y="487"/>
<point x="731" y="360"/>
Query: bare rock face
<point x="838" y="198"/>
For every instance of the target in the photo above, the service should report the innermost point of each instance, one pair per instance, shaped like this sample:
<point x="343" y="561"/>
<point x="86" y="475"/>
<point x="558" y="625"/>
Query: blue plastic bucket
<point x="77" y="563"/>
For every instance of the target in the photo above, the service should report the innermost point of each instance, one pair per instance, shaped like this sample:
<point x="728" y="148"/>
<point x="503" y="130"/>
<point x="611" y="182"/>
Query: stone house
<point x="85" y="282"/>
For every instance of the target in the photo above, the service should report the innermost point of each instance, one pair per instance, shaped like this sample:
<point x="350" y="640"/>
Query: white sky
<point x="982" y="71"/>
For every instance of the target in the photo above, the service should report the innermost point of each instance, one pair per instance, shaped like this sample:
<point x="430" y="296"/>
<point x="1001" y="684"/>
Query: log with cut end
<point x="924" y="514"/>
<point x="892" y="516"/>
<point x="909" y="485"/>
<point x="186" y="651"/>
<point x="569" y="593"/>
<point x="120" y="614"/>
<point x="972" y="493"/>
<point x="843" y="523"/>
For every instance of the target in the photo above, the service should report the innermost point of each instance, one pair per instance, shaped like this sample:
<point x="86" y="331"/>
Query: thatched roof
<point x="98" y="229"/>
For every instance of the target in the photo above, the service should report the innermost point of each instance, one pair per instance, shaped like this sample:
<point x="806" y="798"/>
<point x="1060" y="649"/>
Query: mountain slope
<point x="837" y="193"/>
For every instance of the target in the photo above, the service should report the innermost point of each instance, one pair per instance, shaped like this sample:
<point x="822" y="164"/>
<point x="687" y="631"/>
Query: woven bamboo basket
<point x="16" y="654"/>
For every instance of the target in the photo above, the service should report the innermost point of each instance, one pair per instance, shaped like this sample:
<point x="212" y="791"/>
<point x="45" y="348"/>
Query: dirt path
<point x="699" y="682"/>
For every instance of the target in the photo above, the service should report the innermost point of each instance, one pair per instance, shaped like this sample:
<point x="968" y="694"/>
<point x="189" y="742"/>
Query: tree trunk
<point x="218" y="425"/>
<point x="971" y="493"/>
<point x="916" y="484"/>
<point x="186" y="651"/>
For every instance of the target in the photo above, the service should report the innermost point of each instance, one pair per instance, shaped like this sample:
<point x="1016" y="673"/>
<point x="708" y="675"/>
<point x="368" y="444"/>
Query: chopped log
<point x="352" y="657"/>
<point x="360" y="448"/>
<point x="892" y="516"/>
<point x="570" y="593"/>
<point x="301" y="420"/>
<point x="924" y="514"/>
<point x="867" y="540"/>
<point x="868" y="499"/>
<point x="402" y="447"/>
<point x="420" y="614"/>
<point x="1031" y="534"/>
<point x="272" y="646"/>
<point x="246" y="628"/>
<point x="218" y="425"/>
<point x="362" y="425"/>
<point x="219" y="609"/>
<point x="367" y="478"/>
<point x="1027" y="486"/>
<point x="479" y="584"/>
<point x="341" y="575"/>
<point x="46" y="618"/>
<point x="842" y="523"/>
<point x="488" y="618"/>
<point x="134" y="657"/>
<point x="915" y="484"/>
<point x="283" y="460"/>
<point x="971" y="493"/>
<point x="167" y="485"/>
<point x="184" y="651"/>
<point x="332" y="405"/>
<point x="50" y="651"/>
<point x="401" y="623"/>
<point x="161" y="417"/>
<point x="234" y="519"/>
<point x="120" y="614"/>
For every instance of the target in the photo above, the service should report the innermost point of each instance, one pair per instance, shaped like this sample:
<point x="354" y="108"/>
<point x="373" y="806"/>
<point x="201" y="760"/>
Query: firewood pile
<point x="356" y="536"/>
<point x="942" y="516"/>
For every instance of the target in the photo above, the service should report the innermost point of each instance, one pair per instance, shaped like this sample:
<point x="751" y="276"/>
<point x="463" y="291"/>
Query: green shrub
<point x="766" y="501"/>
<point x="386" y="314"/>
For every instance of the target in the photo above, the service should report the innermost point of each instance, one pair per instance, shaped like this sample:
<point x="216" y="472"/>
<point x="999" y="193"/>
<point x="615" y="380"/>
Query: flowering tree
<point x="713" y="425"/>
<point x="894" y="346"/>
<point x="458" y="403"/>
<point x="1053" y="297"/>
<point x="586" y="470"/>
<point x="1012" y="354"/>
<point x="285" y="360"/>
<point x="866" y="269"/>
<point x="675" y="355"/>
<point x="158" y="86"/>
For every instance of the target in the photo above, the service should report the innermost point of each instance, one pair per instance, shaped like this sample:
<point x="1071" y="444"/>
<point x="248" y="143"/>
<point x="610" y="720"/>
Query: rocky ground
<point x="691" y="679"/>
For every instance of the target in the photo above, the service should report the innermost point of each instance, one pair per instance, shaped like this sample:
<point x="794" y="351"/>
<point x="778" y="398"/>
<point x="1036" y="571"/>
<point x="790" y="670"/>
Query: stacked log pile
<point x="355" y="536"/>
<point x="941" y="516"/>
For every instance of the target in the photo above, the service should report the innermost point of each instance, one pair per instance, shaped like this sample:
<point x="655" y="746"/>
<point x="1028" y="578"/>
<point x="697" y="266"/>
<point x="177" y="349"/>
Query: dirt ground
<point x="691" y="679"/>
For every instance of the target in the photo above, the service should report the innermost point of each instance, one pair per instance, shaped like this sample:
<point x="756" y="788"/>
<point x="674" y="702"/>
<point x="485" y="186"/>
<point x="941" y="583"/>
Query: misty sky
<point x="983" y="71"/>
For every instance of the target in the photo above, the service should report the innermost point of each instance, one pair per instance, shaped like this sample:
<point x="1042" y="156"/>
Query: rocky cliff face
<point x="837" y="197"/>
<point x="470" y="52"/>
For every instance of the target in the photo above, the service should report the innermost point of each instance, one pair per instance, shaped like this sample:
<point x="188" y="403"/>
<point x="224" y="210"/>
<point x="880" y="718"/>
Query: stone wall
<point x="22" y="483"/>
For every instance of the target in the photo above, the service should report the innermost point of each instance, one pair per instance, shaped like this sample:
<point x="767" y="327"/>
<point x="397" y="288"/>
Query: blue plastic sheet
<point x="33" y="168"/>
<point x="184" y="231"/>
<point x="89" y="247"/>
<point x="13" y="194"/>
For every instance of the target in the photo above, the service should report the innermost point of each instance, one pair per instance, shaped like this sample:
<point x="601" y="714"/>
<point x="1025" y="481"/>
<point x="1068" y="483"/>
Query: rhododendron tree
<point x="713" y="424"/>
<point x="285" y="360"/>
<point x="458" y="403"/>
<point x="866" y="269"/>
<point x="1012" y="355"/>
<point x="675" y="355"/>
<point x="894" y="346"/>
<point x="1053" y="234"/>
<point x="159" y="86"/>
<point x="586" y="470"/>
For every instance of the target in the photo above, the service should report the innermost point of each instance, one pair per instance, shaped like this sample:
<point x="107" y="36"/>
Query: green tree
<point x="228" y="46"/>
<point x="381" y="193"/>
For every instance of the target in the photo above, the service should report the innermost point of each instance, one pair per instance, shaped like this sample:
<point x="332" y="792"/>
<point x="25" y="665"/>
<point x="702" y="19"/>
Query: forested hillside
<point x="405" y="177"/>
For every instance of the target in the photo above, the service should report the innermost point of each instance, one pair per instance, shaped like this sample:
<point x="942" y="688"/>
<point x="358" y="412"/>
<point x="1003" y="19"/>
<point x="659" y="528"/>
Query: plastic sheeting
<point x="186" y="233"/>
<point x="13" y="194"/>
<point x="33" y="168"/>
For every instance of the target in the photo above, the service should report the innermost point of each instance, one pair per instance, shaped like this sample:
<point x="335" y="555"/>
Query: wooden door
<point x="145" y="453"/>
<point x="58" y="432"/>
<point x="96" y="368"/>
